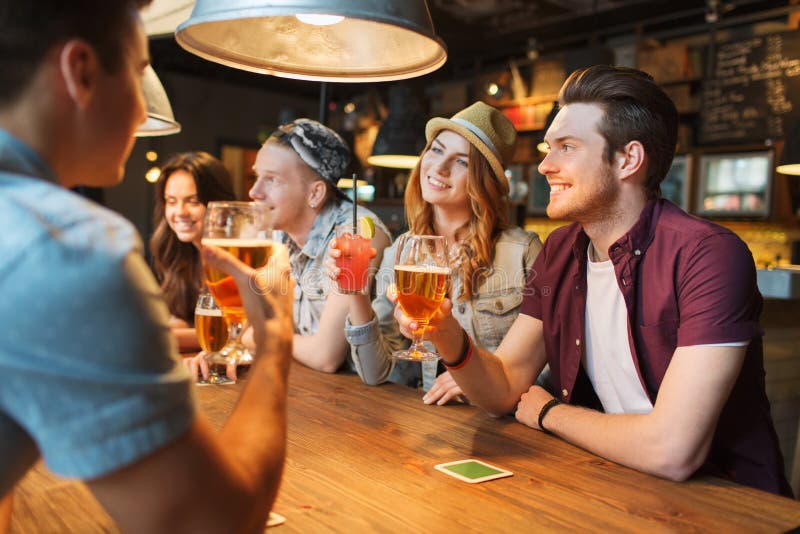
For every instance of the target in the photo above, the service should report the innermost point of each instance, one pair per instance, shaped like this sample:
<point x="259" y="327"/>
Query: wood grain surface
<point x="361" y="459"/>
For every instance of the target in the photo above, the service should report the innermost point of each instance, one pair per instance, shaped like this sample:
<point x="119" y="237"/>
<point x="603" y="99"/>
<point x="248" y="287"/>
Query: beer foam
<point x="226" y="242"/>
<point x="423" y="269"/>
<point x="209" y="313"/>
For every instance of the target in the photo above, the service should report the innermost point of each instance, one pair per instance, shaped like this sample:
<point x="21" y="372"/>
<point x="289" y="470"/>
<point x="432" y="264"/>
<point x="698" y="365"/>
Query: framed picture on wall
<point x="538" y="191"/>
<point x="735" y="184"/>
<point x="675" y="186"/>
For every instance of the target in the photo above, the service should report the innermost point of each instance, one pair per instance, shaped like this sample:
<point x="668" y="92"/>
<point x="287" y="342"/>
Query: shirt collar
<point x="638" y="237"/>
<point x="323" y="227"/>
<point x="18" y="158"/>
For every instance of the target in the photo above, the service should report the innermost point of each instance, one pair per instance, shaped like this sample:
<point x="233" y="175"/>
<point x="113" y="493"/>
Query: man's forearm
<point x="321" y="356"/>
<point x="636" y="441"/>
<point x="255" y="433"/>
<point x="483" y="380"/>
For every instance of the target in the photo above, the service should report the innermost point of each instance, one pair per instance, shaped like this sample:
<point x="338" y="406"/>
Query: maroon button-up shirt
<point x="685" y="281"/>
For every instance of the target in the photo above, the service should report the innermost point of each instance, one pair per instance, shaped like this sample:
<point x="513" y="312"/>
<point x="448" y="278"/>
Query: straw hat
<point x="486" y="128"/>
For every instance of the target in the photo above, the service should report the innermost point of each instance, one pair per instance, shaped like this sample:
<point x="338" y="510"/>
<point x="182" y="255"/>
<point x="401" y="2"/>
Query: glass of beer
<point x="422" y="277"/>
<point x="242" y="229"/>
<point x="212" y="334"/>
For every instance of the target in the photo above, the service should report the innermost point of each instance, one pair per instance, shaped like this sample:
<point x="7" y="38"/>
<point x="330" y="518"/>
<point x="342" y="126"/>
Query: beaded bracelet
<point x="546" y="408"/>
<point x="464" y="357"/>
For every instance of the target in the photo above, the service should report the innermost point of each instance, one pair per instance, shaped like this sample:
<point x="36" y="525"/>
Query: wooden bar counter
<point x="360" y="459"/>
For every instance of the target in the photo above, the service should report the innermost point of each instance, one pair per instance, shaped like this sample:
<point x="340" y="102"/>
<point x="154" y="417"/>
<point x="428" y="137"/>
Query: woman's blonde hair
<point x="488" y="198"/>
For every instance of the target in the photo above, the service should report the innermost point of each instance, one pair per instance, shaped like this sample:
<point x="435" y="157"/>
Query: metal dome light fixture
<point x="160" y="119"/>
<point x="322" y="40"/>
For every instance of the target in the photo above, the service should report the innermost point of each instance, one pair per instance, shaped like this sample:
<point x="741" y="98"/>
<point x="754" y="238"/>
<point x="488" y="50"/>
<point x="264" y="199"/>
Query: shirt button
<point x="637" y="252"/>
<point x="462" y="308"/>
<point x="564" y="392"/>
<point x="319" y="291"/>
<point x="578" y="342"/>
<point x="498" y="304"/>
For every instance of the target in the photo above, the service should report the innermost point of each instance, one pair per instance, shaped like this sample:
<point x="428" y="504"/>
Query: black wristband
<point x="546" y="408"/>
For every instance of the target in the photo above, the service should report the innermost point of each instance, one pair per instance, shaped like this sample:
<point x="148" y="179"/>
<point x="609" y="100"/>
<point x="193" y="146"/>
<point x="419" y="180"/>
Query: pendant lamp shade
<point x="357" y="41"/>
<point x="401" y="137"/>
<point x="160" y="120"/>
<point x="161" y="17"/>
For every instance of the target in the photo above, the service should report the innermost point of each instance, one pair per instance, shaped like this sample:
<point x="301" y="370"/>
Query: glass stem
<point x="234" y="349"/>
<point x="235" y="332"/>
<point x="416" y="341"/>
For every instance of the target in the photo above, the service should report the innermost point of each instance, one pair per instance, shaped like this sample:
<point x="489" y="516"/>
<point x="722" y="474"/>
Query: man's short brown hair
<point x="29" y="28"/>
<point x="634" y="109"/>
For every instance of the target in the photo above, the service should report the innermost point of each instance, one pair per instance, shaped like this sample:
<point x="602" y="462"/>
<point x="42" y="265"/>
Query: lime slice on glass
<point x="366" y="227"/>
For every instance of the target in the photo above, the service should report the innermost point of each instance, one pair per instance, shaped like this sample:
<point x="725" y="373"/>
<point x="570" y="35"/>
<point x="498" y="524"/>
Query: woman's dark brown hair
<point x="177" y="264"/>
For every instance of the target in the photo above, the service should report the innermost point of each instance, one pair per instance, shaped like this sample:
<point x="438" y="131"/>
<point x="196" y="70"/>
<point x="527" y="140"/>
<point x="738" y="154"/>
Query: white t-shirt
<point x="608" y="359"/>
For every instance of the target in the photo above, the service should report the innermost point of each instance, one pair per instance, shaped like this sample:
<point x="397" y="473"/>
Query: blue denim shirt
<point x="90" y="375"/>
<point x="486" y="317"/>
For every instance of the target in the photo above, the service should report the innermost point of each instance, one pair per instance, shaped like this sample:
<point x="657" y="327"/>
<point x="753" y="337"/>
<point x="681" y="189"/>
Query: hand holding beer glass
<point x="422" y="277"/>
<point x="243" y="230"/>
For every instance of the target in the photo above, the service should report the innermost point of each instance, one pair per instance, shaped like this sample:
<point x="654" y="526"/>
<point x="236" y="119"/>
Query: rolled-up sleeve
<point x="718" y="295"/>
<point x="372" y="344"/>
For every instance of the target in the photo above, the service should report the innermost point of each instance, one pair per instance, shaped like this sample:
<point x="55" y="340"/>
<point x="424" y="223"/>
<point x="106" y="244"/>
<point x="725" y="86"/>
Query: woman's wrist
<point x="360" y="309"/>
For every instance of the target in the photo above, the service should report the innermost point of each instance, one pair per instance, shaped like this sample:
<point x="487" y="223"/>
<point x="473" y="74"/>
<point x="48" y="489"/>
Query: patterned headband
<point x="318" y="146"/>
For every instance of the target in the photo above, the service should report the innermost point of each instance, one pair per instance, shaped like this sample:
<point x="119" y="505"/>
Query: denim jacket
<point x="308" y="263"/>
<point x="486" y="317"/>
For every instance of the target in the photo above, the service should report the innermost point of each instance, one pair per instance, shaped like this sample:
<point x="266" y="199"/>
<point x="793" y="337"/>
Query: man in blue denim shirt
<point x="297" y="171"/>
<point x="90" y="377"/>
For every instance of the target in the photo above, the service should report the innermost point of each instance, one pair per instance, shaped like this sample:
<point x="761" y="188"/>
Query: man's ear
<point x="631" y="159"/>
<point x="316" y="193"/>
<point x="79" y="66"/>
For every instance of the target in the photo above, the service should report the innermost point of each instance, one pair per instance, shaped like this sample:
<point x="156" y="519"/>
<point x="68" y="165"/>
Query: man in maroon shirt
<point x="647" y="316"/>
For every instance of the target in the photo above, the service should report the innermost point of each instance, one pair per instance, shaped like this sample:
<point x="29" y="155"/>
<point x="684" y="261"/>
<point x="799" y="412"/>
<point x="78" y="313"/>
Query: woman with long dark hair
<point x="188" y="182"/>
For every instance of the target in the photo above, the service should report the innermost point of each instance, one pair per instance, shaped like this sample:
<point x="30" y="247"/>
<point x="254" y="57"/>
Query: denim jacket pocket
<point x="494" y="315"/>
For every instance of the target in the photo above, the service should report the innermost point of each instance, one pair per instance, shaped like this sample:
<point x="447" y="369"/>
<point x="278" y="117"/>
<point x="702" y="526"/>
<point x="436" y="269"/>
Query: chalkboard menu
<point x="754" y="90"/>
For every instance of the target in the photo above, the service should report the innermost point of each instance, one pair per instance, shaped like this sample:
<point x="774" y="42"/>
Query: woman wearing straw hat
<point x="457" y="190"/>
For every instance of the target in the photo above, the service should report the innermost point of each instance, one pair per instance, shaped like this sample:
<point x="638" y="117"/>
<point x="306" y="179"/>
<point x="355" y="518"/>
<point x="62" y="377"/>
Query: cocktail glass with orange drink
<point x="422" y="278"/>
